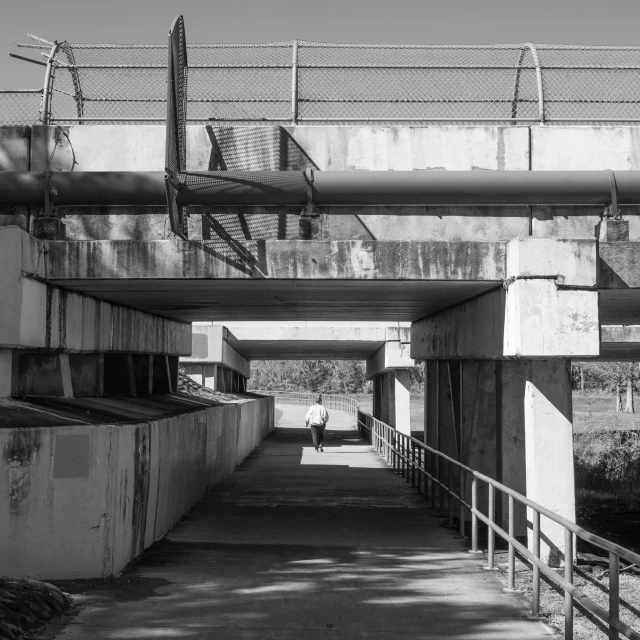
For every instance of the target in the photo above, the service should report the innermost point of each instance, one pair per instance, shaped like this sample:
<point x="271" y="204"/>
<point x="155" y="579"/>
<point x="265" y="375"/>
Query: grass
<point x="593" y="581"/>
<point x="596" y="412"/>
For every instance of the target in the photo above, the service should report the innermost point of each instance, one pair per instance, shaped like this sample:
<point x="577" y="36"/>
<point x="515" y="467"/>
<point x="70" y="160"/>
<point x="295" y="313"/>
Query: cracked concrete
<point x="299" y="545"/>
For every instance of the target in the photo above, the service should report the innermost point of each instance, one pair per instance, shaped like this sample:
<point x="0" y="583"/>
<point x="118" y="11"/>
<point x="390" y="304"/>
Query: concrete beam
<point x="312" y="280"/>
<point x="210" y="346"/>
<point x="620" y="343"/>
<point x="393" y="355"/>
<point x="37" y="315"/>
<point x="299" y="340"/>
<point x="548" y="307"/>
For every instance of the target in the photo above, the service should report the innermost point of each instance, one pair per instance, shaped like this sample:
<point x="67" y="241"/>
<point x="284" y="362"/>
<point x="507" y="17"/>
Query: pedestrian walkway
<point x="299" y="545"/>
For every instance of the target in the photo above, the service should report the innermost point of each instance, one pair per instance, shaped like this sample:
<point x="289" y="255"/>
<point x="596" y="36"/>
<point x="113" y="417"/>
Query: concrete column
<point x="119" y="374"/>
<point x="402" y="400"/>
<point x="516" y="427"/>
<point x="431" y="411"/>
<point x="42" y="374"/>
<point x="548" y="432"/>
<point x="143" y="374"/>
<point x="448" y="416"/>
<point x="210" y="376"/>
<point x="385" y="399"/>
<point x="8" y="372"/>
<point x="377" y="397"/>
<point x="87" y="373"/>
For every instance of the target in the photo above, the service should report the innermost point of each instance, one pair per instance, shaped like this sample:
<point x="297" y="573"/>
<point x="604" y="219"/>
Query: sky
<point x="612" y="22"/>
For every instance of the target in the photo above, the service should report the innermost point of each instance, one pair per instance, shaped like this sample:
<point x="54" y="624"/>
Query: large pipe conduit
<point x="355" y="188"/>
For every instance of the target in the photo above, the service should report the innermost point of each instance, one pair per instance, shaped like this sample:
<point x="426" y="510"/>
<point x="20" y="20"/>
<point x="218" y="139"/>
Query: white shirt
<point x="317" y="415"/>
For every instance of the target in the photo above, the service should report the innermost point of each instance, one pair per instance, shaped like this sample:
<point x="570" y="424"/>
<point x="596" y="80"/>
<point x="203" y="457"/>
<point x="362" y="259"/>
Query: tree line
<point x="621" y="379"/>
<point x="326" y="376"/>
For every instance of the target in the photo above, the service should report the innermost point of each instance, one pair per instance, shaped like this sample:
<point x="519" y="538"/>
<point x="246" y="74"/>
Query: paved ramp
<point x="299" y="545"/>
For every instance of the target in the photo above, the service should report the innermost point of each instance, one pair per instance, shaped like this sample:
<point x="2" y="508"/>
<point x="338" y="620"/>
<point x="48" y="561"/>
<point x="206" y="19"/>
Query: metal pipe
<point x="48" y="84"/>
<point x="346" y="188"/>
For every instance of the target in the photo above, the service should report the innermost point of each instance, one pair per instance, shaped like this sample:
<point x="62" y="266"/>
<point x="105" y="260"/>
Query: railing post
<point x="440" y="467"/>
<point x="568" y="576"/>
<point x="511" y="580"/>
<point x="614" y="592"/>
<point x="450" y="488"/>
<point x="535" y="597"/>
<point x="405" y="446"/>
<point x="413" y="463"/>
<point x="491" y="533"/>
<point x="433" y="469"/>
<point x="474" y="517"/>
<point x="460" y="504"/>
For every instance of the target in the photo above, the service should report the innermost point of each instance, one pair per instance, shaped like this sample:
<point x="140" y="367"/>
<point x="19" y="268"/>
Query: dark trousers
<point x="317" y="433"/>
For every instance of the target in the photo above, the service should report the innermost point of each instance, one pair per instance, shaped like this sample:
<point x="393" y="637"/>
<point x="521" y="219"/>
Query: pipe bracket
<point x="612" y="210"/>
<point x="310" y="210"/>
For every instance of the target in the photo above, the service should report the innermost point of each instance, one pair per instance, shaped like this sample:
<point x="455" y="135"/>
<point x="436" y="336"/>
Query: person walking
<point x="317" y="418"/>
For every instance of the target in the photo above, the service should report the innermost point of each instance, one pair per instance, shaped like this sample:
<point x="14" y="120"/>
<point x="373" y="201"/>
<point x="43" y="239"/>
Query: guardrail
<point x="329" y="400"/>
<point x="443" y="479"/>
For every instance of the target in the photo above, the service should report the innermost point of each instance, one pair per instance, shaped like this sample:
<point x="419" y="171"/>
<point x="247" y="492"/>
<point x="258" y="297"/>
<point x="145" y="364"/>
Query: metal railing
<point x="299" y="82"/>
<point x="443" y="480"/>
<point x="329" y="400"/>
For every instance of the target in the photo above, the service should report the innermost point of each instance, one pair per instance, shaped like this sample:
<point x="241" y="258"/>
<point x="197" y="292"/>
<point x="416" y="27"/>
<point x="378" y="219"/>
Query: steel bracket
<point x="310" y="210"/>
<point x="612" y="210"/>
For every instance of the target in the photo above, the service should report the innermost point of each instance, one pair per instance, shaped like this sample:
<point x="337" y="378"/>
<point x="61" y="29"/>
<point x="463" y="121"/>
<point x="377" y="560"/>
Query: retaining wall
<point x="83" y="501"/>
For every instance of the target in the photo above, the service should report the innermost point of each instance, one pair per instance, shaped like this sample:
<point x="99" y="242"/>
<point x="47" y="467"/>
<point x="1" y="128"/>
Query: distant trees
<point x="616" y="377"/>
<point x="327" y="376"/>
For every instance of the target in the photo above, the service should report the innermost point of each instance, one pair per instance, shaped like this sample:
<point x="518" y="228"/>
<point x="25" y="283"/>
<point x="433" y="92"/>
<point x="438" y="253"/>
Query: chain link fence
<point x="322" y="83"/>
<point x="20" y="107"/>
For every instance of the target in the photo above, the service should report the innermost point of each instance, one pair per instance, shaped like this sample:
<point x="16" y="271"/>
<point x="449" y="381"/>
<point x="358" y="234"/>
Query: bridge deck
<point x="302" y="545"/>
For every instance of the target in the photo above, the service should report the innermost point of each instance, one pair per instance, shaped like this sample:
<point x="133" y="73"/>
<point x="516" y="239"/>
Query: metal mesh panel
<point x="176" y="146"/>
<point x="311" y="82"/>
<point x="20" y="107"/>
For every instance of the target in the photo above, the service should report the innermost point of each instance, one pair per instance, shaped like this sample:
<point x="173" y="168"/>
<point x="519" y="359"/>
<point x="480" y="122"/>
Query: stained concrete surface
<point x="303" y="545"/>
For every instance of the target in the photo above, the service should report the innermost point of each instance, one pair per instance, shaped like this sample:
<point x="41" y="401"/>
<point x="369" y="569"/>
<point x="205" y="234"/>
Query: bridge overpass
<point x="100" y="296"/>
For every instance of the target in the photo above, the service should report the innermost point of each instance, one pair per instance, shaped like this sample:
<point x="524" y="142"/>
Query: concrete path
<point x="299" y="545"/>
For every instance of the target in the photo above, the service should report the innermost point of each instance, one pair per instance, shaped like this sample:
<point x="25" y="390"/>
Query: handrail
<point x="329" y="400"/>
<point x="434" y="474"/>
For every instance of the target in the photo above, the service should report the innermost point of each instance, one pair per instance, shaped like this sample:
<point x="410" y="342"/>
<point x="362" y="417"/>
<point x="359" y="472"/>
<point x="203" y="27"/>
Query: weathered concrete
<point x="549" y="454"/>
<point x="502" y="418"/>
<point x="620" y="342"/>
<point x="210" y="345"/>
<point x="35" y="314"/>
<point x="14" y="156"/>
<point x="301" y="546"/>
<point x="311" y="280"/>
<point x="81" y="501"/>
<point x="555" y="290"/>
<point x="393" y="355"/>
<point x="306" y="340"/>
<point x="327" y="148"/>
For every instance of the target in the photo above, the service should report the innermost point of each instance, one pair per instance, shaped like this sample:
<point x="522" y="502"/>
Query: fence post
<point x="294" y="84"/>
